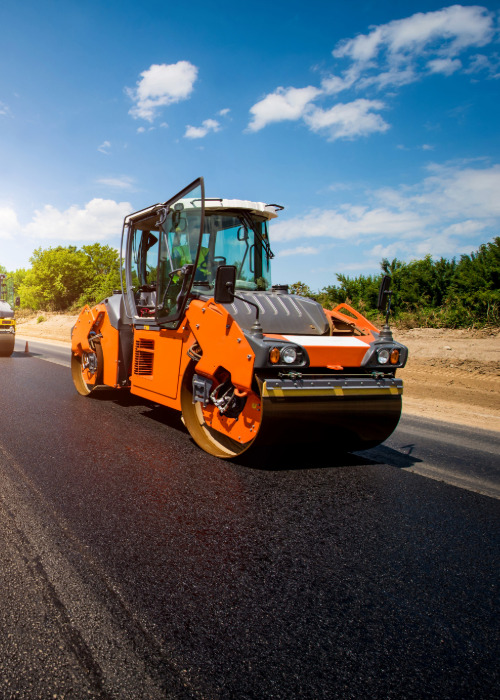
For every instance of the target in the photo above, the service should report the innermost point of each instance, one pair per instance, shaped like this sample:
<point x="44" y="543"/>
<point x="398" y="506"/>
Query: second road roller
<point x="198" y="326"/>
<point x="7" y="320"/>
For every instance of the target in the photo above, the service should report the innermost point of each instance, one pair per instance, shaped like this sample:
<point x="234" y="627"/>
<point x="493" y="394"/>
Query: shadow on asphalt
<point x="270" y="457"/>
<point x="21" y="355"/>
<point x="293" y="457"/>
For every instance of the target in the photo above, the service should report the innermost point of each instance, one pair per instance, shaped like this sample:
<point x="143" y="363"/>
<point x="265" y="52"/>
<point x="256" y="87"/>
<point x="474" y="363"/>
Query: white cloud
<point x="160" y="86"/>
<point x="4" y="110"/>
<point x="120" y="183"/>
<point x="199" y="132"/>
<point x="348" y="120"/>
<point x="454" y="28"/>
<point x="489" y="64"/>
<point x="299" y="250"/>
<point x="98" y="220"/>
<point x="347" y="222"/>
<point x="465" y="193"/>
<point x="284" y="104"/>
<point x="223" y="112"/>
<point x="334" y="84"/>
<point x="443" y="215"/>
<point x="468" y="227"/>
<point x="446" y="66"/>
<point x="394" y="77"/>
<point x="104" y="147"/>
<point x="390" y="55"/>
<point x="9" y="223"/>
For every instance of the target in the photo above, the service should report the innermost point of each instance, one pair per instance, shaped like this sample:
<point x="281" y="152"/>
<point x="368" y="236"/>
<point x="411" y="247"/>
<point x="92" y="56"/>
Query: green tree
<point x="18" y="277"/>
<point x="427" y="291"/>
<point x="301" y="289"/>
<point x="56" y="279"/>
<point x="103" y="269"/>
<point x="474" y="292"/>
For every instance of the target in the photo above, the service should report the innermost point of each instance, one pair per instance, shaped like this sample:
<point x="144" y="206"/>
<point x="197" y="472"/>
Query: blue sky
<point x="374" y="123"/>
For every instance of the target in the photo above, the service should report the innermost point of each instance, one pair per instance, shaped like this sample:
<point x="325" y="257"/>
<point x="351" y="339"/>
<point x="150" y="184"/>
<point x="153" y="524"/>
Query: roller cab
<point x="199" y="327"/>
<point x="7" y="320"/>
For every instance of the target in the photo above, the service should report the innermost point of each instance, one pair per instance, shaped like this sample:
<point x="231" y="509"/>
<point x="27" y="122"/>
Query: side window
<point x="145" y="257"/>
<point x="144" y="270"/>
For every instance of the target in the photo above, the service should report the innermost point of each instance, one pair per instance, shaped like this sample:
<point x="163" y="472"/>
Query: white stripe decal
<point x="326" y="341"/>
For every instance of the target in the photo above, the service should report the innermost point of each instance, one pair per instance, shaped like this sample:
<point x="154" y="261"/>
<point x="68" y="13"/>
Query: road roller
<point x="198" y="326"/>
<point x="7" y="320"/>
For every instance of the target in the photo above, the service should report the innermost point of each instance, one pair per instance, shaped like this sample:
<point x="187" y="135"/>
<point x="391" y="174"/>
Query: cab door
<point x="158" y="340"/>
<point x="179" y="252"/>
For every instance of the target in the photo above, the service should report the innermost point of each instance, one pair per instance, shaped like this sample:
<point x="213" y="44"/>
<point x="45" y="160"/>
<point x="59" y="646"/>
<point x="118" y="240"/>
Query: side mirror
<point x="384" y="293"/>
<point x="225" y="282"/>
<point x="18" y="301"/>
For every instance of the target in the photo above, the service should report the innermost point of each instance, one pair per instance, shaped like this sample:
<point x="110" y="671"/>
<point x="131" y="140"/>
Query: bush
<point x="427" y="292"/>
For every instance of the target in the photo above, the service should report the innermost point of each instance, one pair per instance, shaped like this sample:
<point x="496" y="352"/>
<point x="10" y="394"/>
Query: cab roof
<point x="213" y="204"/>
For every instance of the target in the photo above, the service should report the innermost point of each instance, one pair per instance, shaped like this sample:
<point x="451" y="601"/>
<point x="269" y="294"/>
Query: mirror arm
<point x="388" y="309"/>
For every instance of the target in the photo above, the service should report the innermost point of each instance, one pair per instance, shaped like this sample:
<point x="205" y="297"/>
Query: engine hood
<point x="280" y="313"/>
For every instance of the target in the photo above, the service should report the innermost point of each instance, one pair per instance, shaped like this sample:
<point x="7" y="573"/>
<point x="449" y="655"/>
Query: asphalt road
<point x="137" y="566"/>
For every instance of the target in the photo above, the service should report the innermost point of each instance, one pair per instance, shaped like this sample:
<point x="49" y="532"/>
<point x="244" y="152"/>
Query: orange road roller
<point x="198" y="326"/>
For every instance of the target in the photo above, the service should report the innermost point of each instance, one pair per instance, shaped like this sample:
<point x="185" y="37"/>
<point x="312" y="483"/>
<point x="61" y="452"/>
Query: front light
<point x="383" y="356"/>
<point x="289" y="355"/>
<point x="395" y="356"/>
<point x="274" y="356"/>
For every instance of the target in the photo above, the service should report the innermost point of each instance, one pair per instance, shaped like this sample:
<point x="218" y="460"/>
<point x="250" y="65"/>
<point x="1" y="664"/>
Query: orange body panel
<point x="159" y="362"/>
<point x="333" y="352"/>
<point x="97" y="320"/>
<point x="109" y="344"/>
<point x="340" y="355"/>
<point x="242" y="429"/>
<point x="359" y="320"/>
<point x="81" y="330"/>
<point x="223" y="343"/>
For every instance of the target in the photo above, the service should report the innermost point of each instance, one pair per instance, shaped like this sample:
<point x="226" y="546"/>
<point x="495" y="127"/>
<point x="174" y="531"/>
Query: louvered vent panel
<point x="144" y="356"/>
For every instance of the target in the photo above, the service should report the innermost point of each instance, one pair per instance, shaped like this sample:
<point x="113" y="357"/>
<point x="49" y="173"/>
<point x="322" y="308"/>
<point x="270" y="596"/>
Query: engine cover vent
<point x="144" y="357"/>
<point x="280" y="313"/>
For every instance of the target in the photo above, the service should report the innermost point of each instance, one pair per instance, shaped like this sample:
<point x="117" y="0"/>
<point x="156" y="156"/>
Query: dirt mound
<point x="47" y="326"/>
<point x="451" y="375"/>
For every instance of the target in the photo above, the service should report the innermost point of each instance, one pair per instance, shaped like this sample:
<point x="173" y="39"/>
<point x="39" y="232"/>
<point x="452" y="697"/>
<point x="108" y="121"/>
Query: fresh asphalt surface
<point x="136" y="566"/>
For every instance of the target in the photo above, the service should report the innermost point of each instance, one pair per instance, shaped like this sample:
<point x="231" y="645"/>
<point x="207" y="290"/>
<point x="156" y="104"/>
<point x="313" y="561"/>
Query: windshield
<point x="228" y="238"/>
<point x="6" y="290"/>
<point x="239" y="239"/>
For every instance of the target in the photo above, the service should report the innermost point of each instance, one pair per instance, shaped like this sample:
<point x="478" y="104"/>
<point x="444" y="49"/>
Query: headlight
<point x="289" y="355"/>
<point x="383" y="356"/>
<point x="286" y="355"/>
